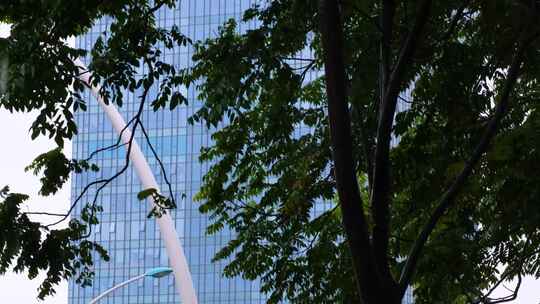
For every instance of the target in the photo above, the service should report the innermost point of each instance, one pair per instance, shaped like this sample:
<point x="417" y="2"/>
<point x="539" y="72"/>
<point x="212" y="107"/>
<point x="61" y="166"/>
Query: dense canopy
<point x="362" y="146"/>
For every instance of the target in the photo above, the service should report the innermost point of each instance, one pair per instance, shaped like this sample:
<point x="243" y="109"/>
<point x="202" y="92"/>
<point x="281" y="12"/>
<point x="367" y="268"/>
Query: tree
<point x="326" y="205"/>
<point x="447" y="197"/>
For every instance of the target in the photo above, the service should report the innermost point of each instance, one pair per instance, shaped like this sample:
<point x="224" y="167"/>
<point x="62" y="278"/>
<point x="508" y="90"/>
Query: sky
<point x="18" y="152"/>
<point x="17" y="288"/>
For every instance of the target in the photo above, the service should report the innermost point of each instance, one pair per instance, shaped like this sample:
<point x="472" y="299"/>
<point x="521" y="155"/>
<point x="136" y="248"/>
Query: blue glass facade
<point x="132" y="240"/>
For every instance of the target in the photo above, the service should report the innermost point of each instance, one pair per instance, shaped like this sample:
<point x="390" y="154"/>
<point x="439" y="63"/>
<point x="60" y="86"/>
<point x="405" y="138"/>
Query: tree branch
<point x="387" y="23"/>
<point x="105" y="181"/>
<point x="511" y="269"/>
<point x="455" y="20"/>
<point x="161" y="166"/>
<point x="353" y="216"/>
<point x="157" y="6"/>
<point x="45" y="213"/>
<point x="380" y="196"/>
<point x="114" y="146"/>
<point x="367" y="142"/>
<point x="448" y="198"/>
<point x="508" y="298"/>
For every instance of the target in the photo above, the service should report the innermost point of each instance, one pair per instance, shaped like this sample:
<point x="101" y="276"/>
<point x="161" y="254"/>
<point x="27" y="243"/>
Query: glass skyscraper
<point x="132" y="240"/>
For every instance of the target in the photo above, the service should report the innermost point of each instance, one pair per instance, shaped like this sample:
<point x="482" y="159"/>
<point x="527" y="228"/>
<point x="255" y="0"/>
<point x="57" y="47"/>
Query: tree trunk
<point x="373" y="286"/>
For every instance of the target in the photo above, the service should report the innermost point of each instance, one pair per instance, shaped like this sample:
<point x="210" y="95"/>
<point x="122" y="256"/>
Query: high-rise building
<point x="132" y="240"/>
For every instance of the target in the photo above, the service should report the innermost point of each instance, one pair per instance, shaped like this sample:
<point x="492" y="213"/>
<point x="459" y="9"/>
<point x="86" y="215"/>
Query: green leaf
<point x="144" y="194"/>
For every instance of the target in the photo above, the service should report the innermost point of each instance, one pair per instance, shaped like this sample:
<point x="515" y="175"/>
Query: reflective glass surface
<point x="132" y="240"/>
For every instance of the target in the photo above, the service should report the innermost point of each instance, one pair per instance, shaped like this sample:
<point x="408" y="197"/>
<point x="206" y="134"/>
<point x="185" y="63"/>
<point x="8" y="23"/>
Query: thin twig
<point x="161" y="166"/>
<point x="45" y="213"/>
<point x="106" y="181"/>
<point x="114" y="146"/>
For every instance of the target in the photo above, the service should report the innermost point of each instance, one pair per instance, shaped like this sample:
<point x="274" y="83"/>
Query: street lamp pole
<point x="177" y="258"/>
<point x="155" y="273"/>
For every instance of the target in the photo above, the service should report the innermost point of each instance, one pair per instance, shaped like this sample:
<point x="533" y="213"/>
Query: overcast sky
<point x="18" y="151"/>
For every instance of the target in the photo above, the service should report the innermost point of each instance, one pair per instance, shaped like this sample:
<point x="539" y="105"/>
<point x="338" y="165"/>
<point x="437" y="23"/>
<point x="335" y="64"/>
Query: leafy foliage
<point x="56" y="169"/>
<point x="268" y="179"/>
<point x="161" y="202"/>
<point x="27" y="245"/>
<point x="40" y="74"/>
<point x="272" y="175"/>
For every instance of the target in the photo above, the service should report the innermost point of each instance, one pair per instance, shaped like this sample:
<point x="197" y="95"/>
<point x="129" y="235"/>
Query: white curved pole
<point x="177" y="259"/>
<point x="108" y="291"/>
